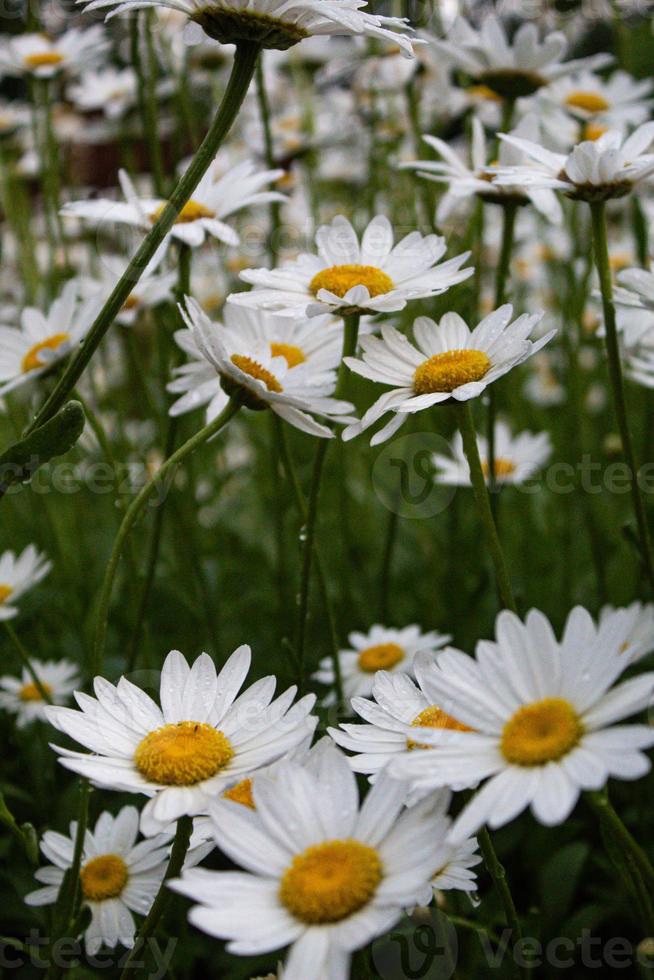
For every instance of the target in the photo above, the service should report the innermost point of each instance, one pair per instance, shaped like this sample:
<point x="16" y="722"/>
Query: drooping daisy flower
<point x="543" y="715"/>
<point x="517" y="458"/>
<point x="595" y="170"/>
<point x="449" y="361"/>
<point x="43" y="339"/>
<point x="323" y="875"/>
<point x="21" y="695"/>
<point x="264" y="372"/>
<point x="477" y="180"/>
<point x="399" y="707"/>
<point x="640" y="639"/>
<point x="214" y="199"/>
<point x="117" y="875"/>
<point x="381" y="648"/>
<point x="601" y="103"/>
<point x="18" y="574"/>
<point x="202" y="739"/>
<point x="455" y="860"/>
<point x="512" y="68"/>
<point x="346" y="276"/>
<point x="110" y="90"/>
<point x="276" y="23"/>
<point x="43" y="57"/>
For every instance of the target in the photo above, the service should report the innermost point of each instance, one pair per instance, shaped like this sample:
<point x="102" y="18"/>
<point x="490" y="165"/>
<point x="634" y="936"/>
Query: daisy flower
<point x="264" y="372"/>
<point x="595" y="170"/>
<point x="22" y="697"/>
<point x="110" y="90"/>
<point x="13" y="117"/>
<point x="601" y="103"/>
<point x="118" y="876"/>
<point x="18" y="574"/>
<point x="348" y="276"/>
<point x="43" y="57"/>
<point x="214" y="199"/>
<point x="542" y="714"/>
<point x="449" y="360"/>
<point x="44" y="339"/>
<point x="381" y="648"/>
<point x="323" y="875"/>
<point x="152" y="288"/>
<point x="511" y="68"/>
<point x="455" y="860"/>
<point x="640" y="639"/>
<point x="477" y="180"/>
<point x="201" y="739"/>
<point x="517" y="458"/>
<point x="276" y="23"/>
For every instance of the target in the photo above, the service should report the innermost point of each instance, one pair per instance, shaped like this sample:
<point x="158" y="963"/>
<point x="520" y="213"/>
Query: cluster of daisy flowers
<point x="449" y="275"/>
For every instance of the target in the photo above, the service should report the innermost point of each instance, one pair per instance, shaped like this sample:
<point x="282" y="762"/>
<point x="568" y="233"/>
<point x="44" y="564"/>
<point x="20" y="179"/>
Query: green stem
<point x="498" y="874"/>
<point x="69" y="891"/>
<point x="243" y="68"/>
<point x="350" y="338"/>
<point x="264" y="111"/>
<point x="482" y="499"/>
<point x="26" y="662"/>
<point x="621" y="836"/>
<point x="163" y="896"/>
<point x="151" y="108"/>
<point x="134" y="511"/>
<point x="601" y="251"/>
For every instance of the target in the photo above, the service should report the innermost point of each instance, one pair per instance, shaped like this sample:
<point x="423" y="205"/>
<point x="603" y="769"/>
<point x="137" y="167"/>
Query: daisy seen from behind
<point x="447" y="360"/>
<point x="242" y="359"/>
<point x="351" y="276"/>
<point x="543" y="716"/>
<point x="381" y="648"/>
<point x="203" y="738"/>
<point x="325" y="874"/>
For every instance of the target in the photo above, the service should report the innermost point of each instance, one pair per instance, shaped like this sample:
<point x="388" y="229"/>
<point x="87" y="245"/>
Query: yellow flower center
<point x="183" y="754"/>
<point x="330" y="881"/>
<point x="503" y="468"/>
<point x="541" y="732"/>
<point x="339" y="279"/>
<point x="434" y="717"/>
<point x="192" y="211"/>
<point x="620" y="260"/>
<point x="588" y="101"/>
<point x="483" y="92"/>
<point x="380" y="657"/>
<point x="42" y="59"/>
<point x="103" y="877"/>
<point x="592" y="131"/>
<point x="5" y="592"/>
<point x="32" y="360"/>
<point x="445" y="372"/>
<point x="249" y="366"/>
<point x="241" y="793"/>
<point x="30" y="692"/>
<point x="292" y="354"/>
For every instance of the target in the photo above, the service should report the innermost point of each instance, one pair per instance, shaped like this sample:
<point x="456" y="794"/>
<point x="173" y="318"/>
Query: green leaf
<point x="20" y="462"/>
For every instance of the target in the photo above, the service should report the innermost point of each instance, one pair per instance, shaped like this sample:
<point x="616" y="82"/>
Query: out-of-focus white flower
<point x="43" y="57"/>
<point x="110" y="90"/>
<point x="517" y="458"/>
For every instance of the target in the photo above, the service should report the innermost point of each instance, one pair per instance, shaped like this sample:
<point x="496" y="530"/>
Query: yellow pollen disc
<point x="588" y="101"/>
<point x="131" y="302"/>
<point x="32" y="360"/>
<point x="192" y="211"/>
<point x="341" y="278"/>
<point x="43" y="59"/>
<point x="182" y="754"/>
<point x="483" y="92"/>
<point x="103" y="877"/>
<point x="445" y="372"/>
<point x="330" y="881"/>
<point x="503" y="468"/>
<point x="293" y="355"/>
<point x="249" y="366"/>
<point x="380" y="657"/>
<point x="593" y="131"/>
<point x="620" y="260"/>
<point x="30" y="692"/>
<point x="241" y="793"/>
<point x="434" y="717"/>
<point x="5" y="592"/>
<point x="541" y="732"/>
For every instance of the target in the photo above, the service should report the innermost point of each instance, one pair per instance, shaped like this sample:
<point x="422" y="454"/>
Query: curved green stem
<point x="27" y="663"/>
<point x="243" y="68"/>
<point x="601" y="250"/>
<point x="162" y="898"/>
<point x="134" y="511"/>
<point x="482" y="499"/>
<point x="497" y="872"/>
<point x="621" y="836"/>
